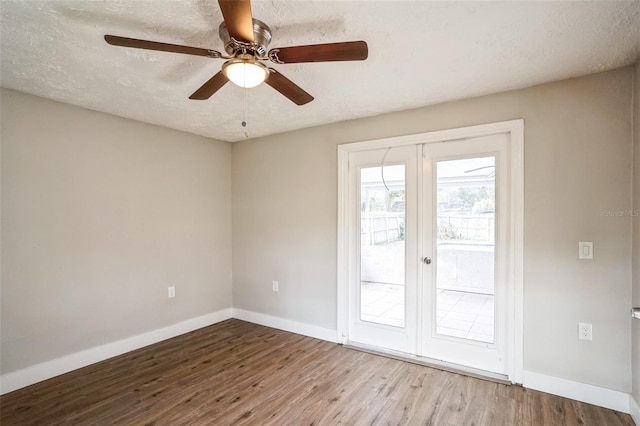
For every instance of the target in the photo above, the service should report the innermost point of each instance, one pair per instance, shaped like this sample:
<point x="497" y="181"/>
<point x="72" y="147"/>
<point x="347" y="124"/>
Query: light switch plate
<point x="585" y="250"/>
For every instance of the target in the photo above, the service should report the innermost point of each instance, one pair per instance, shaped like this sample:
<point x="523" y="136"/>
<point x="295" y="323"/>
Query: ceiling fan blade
<point x="162" y="47"/>
<point x="238" y="19"/>
<point x="210" y="87"/>
<point x="345" y="51"/>
<point x="288" y="88"/>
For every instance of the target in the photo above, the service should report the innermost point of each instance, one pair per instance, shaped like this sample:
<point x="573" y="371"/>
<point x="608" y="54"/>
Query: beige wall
<point x="99" y="216"/>
<point x="577" y="167"/>
<point x="636" y="232"/>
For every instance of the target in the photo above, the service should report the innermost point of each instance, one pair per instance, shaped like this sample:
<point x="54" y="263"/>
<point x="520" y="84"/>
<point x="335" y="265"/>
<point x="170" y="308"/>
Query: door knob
<point x="427" y="260"/>
<point x="635" y="313"/>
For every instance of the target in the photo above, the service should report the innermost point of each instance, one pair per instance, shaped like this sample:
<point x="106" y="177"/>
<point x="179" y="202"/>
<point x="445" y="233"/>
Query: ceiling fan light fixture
<point x="246" y="40"/>
<point x="245" y="72"/>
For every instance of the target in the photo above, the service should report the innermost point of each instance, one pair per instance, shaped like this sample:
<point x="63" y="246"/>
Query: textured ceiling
<point x="420" y="53"/>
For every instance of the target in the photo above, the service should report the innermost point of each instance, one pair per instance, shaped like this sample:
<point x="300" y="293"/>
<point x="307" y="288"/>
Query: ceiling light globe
<point x="245" y="72"/>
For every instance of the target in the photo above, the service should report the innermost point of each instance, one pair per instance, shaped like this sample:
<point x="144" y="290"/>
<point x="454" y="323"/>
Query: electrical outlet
<point x="275" y="286"/>
<point x="171" y="292"/>
<point x="585" y="331"/>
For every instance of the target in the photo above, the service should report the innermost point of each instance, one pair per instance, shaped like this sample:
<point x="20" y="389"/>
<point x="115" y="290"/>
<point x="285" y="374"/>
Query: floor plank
<point x="238" y="373"/>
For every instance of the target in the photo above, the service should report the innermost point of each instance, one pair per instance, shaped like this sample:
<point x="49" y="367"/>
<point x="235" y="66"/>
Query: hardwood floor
<point x="240" y="373"/>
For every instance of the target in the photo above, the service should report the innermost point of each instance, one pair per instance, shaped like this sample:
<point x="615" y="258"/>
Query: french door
<point x="466" y="297"/>
<point x="430" y="234"/>
<point x="383" y="288"/>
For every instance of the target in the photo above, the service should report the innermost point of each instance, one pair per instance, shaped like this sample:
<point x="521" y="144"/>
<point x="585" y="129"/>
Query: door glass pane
<point x="382" y="245"/>
<point x="465" y="248"/>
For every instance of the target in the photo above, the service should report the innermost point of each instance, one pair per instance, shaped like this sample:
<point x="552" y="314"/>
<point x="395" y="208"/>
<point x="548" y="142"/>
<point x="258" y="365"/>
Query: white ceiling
<point x="420" y="53"/>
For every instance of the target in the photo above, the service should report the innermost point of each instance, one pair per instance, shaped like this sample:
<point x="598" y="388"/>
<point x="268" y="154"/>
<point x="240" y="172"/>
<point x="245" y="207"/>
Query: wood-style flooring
<point x="238" y="373"/>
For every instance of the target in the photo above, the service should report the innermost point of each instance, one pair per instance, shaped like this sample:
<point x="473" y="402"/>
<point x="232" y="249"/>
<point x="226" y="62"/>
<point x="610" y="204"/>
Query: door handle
<point x="635" y="313"/>
<point x="427" y="260"/>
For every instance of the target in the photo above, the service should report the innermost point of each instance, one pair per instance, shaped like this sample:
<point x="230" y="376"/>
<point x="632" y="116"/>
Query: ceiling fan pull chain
<point x="246" y="113"/>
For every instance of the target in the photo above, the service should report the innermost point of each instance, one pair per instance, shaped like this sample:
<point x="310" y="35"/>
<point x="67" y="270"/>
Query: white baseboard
<point x="634" y="410"/>
<point x="46" y="370"/>
<point x="287" y="325"/>
<point x="603" y="397"/>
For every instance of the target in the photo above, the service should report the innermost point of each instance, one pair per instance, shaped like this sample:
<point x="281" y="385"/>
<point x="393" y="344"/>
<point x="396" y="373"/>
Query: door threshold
<point x="430" y="362"/>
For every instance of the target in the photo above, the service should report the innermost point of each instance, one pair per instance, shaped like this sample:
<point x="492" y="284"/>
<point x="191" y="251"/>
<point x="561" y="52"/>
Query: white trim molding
<point x="342" y="261"/>
<point x="634" y="410"/>
<point x="46" y="370"/>
<point x="309" y="330"/>
<point x="514" y="127"/>
<point x="602" y="397"/>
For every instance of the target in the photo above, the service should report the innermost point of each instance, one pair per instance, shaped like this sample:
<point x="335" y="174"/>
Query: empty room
<point x="278" y="212"/>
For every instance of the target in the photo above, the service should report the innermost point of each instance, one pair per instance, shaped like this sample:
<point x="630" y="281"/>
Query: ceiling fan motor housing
<point x="261" y="37"/>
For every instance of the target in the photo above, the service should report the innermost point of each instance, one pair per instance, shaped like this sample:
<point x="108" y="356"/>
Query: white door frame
<point x="345" y="262"/>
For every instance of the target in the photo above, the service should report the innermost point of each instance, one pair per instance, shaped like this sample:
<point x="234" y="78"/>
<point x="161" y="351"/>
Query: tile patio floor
<point x="459" y="314"/>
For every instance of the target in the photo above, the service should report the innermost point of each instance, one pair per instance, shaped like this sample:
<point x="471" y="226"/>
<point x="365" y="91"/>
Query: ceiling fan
<point x="246" y="41"/>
